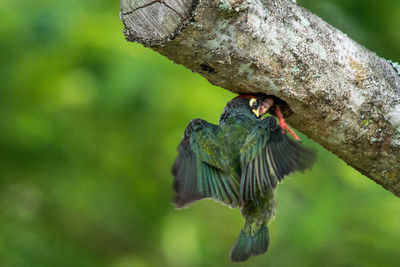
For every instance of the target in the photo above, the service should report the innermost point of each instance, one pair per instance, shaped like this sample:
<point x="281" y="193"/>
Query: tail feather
<point x="247" y="245"/>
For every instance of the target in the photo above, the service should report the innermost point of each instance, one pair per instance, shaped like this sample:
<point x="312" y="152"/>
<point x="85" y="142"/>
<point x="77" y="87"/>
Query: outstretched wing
<point x="198" y="170"/>
<point x="267" y="156"/>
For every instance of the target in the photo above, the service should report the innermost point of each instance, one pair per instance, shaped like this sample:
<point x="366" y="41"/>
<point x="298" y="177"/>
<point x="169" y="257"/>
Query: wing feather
<point x="197" y="169"/>
<point x="267" y="156"/>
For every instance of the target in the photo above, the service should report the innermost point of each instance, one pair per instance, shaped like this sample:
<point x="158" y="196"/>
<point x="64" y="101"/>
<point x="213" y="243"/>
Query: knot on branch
<point x="153" y="22"/>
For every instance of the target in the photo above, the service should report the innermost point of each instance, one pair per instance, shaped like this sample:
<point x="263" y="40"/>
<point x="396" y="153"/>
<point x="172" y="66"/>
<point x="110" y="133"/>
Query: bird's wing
<point x="198" y="170"/>
<point x="267" y="156"/>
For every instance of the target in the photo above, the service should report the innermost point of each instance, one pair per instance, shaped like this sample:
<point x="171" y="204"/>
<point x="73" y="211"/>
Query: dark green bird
<point x="239" y="163"/>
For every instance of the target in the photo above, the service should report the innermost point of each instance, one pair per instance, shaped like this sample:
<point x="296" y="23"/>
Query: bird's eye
<point x="253" y="103"/>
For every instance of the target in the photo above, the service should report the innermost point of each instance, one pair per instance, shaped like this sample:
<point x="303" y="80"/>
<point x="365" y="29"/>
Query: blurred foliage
<point x="89" y="126"/>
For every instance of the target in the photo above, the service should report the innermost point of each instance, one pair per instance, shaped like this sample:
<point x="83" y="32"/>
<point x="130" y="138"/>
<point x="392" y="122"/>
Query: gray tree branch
<point x="338" y="93"/>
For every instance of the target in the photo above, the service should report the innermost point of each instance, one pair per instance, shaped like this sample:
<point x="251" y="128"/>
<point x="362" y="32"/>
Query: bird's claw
<point x="283" y="124"/>
<point x="266" y="105"/>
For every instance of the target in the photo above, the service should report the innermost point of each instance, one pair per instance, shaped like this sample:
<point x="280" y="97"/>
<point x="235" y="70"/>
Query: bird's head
<point x="252" y="106"/>
<point x="259" y="104"/>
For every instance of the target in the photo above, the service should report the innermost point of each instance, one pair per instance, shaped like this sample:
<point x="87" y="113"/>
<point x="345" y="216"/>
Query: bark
<point x="338" y="93"/>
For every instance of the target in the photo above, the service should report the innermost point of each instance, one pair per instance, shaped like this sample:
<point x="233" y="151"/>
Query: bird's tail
<point x="250" y="245"/>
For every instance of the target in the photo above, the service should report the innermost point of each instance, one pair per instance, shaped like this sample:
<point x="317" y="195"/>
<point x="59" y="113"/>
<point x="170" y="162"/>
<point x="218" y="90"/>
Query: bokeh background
<point x="89" y="124"/>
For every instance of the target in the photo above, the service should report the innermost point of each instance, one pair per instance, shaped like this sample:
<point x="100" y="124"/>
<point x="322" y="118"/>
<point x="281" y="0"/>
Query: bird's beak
<point x="265" y="106"/>
<point x="263" y="110"/>
<point x="256" y="111"/>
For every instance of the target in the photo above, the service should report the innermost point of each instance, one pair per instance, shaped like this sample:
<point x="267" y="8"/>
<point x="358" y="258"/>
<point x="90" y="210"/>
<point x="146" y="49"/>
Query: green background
<point x="89" y="124"/>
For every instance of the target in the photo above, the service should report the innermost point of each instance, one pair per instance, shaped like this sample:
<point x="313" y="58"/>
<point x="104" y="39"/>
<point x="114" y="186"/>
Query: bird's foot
<point x="283" y="124"/>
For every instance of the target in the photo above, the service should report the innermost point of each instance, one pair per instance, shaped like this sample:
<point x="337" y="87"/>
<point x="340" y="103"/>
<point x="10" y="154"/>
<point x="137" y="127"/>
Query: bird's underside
<point x="239" y="163"/>
<point x="265" y="154"/>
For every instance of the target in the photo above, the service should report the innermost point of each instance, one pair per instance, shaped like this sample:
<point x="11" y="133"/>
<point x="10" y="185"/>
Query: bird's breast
<point x="231" y="138"/>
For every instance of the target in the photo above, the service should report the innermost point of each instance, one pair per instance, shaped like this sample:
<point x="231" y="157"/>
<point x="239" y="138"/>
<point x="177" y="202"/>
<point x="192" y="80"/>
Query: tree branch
<point x="340" y="94"/>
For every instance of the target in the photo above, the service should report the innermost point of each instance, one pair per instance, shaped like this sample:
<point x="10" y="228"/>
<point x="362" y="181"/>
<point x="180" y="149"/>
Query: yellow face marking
<point x="256" y="111"/>
<point x="252" y="101"/>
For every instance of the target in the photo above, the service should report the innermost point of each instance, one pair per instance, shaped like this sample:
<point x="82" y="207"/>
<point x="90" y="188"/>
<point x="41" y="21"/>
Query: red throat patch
<point x="246" y="96"/>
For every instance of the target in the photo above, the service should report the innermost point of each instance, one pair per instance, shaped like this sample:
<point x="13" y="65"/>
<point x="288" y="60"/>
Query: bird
<point x="239" y="163"/>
